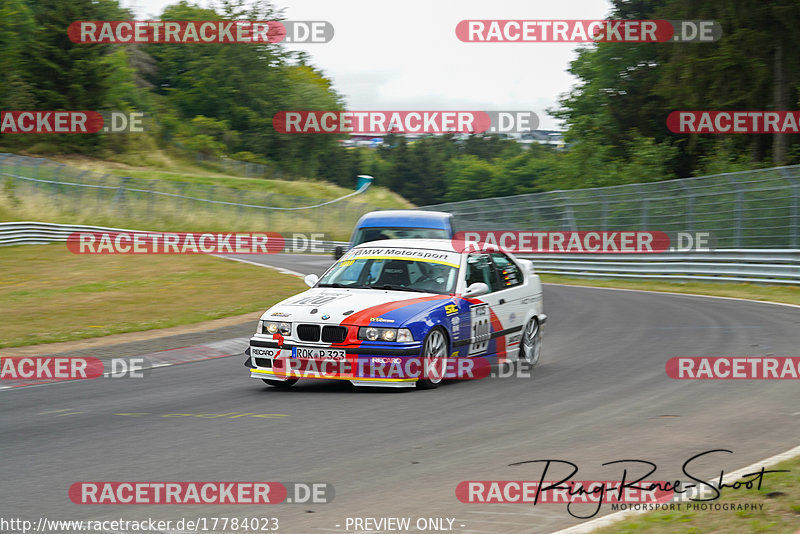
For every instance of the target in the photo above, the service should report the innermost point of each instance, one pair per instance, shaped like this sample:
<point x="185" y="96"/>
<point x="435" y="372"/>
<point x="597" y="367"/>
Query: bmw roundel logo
<point x="326" y="317"/>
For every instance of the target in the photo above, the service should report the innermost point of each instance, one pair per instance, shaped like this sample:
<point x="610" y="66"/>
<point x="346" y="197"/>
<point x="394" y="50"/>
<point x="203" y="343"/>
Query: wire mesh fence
<point x="750" y="209"/>
<point x="41" y="189"/>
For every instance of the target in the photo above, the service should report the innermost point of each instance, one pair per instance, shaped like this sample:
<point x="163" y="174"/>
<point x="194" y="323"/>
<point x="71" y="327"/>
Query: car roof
<point x="403" y="218"/>
<point x="445" y="245"/>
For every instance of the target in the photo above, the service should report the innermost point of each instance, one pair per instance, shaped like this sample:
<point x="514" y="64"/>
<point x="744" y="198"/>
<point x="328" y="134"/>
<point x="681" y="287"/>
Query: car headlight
<point x="273" y="327"/>
<point x="370" y="333"/>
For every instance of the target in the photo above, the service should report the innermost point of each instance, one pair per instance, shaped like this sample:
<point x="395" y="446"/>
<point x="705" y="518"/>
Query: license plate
<point x="317" y="354"/>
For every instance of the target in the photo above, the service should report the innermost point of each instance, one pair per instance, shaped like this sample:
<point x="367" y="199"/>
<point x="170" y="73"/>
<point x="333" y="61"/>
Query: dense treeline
<point x="212" y="99"/>
<point x="219" y="99"/>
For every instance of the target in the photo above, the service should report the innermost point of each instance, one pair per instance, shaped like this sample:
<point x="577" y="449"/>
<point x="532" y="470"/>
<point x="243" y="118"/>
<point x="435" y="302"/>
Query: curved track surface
<point x="600" y="394"/>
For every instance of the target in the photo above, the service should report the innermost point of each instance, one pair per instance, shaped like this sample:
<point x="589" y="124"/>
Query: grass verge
<point x="117" y="195"/>
<point x="48" y="294"/>
<point x="779" y="495"/>
<point x="171" y="170"/>
<point x="771" y="293"/>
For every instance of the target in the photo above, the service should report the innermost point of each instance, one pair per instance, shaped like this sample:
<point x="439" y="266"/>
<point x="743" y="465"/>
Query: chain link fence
<point x="750" y="209"/>
<point x="42" y="189"/>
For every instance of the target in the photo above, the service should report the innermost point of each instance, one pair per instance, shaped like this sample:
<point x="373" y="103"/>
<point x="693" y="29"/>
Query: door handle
<point x="502" y="301"/>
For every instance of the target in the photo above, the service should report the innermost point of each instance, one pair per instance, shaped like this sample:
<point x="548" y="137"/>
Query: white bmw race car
<point x="397" y="312"/>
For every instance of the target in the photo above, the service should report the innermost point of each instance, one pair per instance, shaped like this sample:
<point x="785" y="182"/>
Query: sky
<point x="404" y="55"/>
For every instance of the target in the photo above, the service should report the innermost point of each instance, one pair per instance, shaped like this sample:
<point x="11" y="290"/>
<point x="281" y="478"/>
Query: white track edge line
<point x="279" y="269"/>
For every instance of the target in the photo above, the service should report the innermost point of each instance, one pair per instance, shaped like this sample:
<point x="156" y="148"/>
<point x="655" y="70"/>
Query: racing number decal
<point x="315" y="300"/>
<point x="480" y="328"/>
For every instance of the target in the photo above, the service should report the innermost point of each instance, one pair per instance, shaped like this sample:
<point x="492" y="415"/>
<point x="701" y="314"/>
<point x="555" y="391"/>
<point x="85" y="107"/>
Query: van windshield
<point x="364" y="235"/>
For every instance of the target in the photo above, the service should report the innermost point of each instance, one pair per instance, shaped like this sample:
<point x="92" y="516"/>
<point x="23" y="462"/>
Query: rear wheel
<point x="530" y="348"/>
<point x="434" y="355"/>
<point x="280" y="383"/>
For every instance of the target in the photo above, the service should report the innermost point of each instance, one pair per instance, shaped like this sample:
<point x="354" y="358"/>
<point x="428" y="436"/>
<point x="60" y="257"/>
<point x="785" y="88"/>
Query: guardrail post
<point x="689" y="206"/>
<point x="151" y="198"/>
<point x="78" y="191"/>
<point x="119" y="197"/>
<point x="794" y="214"/>
<point x="603" y="208"/>
<point x="209" y="205"/>
<point x="645" y="206"/>
<point x="10" y="178"/>
<point x="568" y="216"/>
<point x="100" y="191"/>
<point x="737" y="217"/>
<point x="18" y="172"/>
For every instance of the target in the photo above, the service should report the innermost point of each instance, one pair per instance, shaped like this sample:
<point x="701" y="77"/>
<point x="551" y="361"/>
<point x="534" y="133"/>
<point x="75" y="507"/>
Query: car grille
<point x="334" y="334"/>
<point x="263" y="362"/>
<point x="308" y="332"/>
<point x="330" y="333"/>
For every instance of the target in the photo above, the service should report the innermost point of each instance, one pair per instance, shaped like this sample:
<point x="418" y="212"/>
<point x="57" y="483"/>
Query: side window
<point x="481" y="269"/>
<point x="508" y="272"/>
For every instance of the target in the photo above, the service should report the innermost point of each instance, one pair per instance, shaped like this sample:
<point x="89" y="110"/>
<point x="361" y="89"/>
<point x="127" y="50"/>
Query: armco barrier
<point x="773" y="266"/>
<point x="39" y="233"/>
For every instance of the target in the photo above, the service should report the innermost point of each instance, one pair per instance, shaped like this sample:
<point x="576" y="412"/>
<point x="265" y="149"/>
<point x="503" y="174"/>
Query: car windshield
<point x="364" y="235"/>
<point x="391" y="273"/>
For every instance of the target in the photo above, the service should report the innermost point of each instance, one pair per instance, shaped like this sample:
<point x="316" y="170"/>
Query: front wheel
<point x="280" y="383"/>
<point x="434" y="354"/>
<point x="530" y="348"/>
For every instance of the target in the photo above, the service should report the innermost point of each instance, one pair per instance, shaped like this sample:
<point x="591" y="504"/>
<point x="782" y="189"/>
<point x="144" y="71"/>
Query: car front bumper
<point x="363" y="365"/>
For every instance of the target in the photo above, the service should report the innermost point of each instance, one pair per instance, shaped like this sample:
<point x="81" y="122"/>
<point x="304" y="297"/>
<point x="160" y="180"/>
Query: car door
<point x="485" y="328"/>
<point x="510" y="292"/>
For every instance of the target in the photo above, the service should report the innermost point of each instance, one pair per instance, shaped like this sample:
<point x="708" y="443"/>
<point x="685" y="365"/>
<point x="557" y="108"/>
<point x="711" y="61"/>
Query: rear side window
<point x="508" y="272"/>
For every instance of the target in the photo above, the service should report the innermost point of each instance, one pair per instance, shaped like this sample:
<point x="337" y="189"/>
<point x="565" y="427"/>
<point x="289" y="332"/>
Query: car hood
<point x="353" y="306"/>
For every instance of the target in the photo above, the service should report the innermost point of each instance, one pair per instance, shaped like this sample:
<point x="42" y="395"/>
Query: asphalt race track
<point x="600" y="394"/>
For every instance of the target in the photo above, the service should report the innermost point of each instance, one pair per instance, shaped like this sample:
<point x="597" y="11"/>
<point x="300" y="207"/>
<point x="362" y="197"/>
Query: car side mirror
<point x="338" y="252"/>
<point x="312" y="279"/>
<point x="477" y="289"/>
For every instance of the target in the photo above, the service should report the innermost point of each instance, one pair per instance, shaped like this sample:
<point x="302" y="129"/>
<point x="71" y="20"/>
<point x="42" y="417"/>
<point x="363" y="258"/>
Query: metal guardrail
<point x="757" y="209"/>
<point x="39" y="233"/>
<point x="772" y="266"/>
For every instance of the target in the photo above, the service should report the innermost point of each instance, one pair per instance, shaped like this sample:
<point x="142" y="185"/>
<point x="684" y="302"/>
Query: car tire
<point x="530" y="346"/>
<point x="434" y="348"/>
<point x="280" y="383"/>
